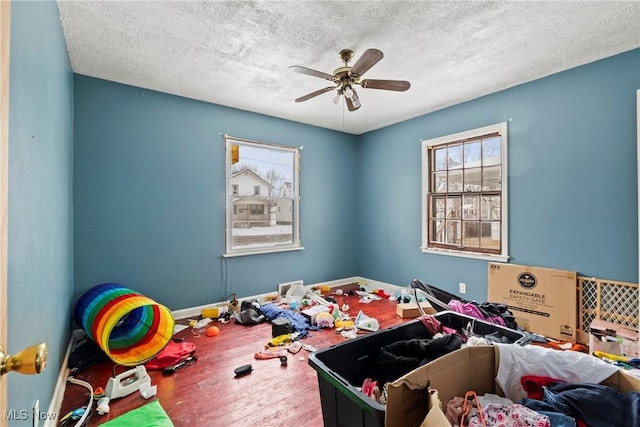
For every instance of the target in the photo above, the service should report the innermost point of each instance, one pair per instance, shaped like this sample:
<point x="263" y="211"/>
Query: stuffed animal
<point x="324" y="320"/>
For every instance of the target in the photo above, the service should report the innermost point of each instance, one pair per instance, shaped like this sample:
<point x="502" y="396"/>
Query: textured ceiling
<point x="237" y="53"/>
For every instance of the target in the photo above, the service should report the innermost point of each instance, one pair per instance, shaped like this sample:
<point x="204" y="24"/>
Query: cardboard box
<point x="420" y="397"/>
<point x="409" y="310"/>
<point x="543" y="300"/>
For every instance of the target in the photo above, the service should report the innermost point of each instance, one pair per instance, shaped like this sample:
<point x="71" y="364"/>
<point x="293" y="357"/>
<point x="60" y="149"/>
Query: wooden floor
<point x="207" y="393"/>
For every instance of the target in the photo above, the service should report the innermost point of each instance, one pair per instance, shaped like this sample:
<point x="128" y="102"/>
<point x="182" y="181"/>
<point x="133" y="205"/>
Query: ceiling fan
<point x="346" y="77"/>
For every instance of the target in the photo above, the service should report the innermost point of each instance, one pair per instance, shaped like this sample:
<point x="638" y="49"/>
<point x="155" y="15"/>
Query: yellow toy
<point x="283" y="339"/>
<point x="344" y="324"/>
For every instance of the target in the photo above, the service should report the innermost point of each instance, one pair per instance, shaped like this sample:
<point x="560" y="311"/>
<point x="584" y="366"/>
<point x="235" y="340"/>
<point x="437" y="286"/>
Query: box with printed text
<point x="543" y="300"/>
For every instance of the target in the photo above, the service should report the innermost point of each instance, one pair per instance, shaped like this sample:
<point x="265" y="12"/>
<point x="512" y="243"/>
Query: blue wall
<point x="572" y="180"/>
<point x="40" y="279"/>
<point x="149" y="197"/>
<point x="148" y="190"/>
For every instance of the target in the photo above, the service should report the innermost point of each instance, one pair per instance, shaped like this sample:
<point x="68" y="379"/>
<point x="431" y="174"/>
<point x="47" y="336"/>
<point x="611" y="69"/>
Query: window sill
<point x="237" y="254"/>
<point x="462" y="254"/>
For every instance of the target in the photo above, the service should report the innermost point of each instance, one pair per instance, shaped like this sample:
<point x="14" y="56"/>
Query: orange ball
<point x="212" y="331"/>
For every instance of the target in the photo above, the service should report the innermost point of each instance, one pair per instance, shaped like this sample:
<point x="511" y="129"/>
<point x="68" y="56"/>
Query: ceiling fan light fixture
<point x="348" y="92"/>
<point x="336" y="99"/>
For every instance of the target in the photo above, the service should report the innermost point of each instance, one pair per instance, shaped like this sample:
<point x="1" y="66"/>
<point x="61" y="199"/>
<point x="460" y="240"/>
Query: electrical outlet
<point x="463" y="288"/>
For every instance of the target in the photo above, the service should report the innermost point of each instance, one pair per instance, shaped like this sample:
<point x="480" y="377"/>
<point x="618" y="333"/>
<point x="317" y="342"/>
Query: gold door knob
<point x="31" y="360"/>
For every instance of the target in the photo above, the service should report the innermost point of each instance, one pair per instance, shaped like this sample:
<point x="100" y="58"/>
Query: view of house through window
<point x="262" y="197"/>
<point x="464" y="179"/>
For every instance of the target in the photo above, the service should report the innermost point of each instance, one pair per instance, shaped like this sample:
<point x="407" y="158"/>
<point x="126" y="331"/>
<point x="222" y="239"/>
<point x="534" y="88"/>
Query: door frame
<point x="5" y="34"/>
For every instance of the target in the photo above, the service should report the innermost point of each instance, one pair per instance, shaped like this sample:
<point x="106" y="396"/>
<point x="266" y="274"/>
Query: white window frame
<point x="501" y="128"/>
<point x="229" y="195"/>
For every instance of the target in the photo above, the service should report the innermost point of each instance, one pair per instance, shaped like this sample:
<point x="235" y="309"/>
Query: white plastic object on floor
<point x="147" y="390"/>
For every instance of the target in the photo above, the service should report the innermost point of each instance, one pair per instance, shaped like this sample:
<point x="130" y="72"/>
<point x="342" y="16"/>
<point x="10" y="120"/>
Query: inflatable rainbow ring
<point x="129" y="327"/>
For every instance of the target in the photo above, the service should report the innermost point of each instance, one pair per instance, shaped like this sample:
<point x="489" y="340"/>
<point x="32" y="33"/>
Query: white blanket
<point x="570" y="366"/>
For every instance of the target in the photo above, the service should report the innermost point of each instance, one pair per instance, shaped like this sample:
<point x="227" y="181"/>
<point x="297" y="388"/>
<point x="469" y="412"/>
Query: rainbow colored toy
<point x="129" y="327"/>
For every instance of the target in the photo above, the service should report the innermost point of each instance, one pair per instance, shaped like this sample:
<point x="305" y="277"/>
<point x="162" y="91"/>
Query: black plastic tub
<point x="343" y="367"/>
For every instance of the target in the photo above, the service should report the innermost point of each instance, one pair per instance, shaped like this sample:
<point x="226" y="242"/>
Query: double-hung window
<point x="262" y="197"/>
<point x="465" y="194"/>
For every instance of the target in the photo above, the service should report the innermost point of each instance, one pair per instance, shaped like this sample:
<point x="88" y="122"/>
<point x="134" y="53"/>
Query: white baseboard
<point x="61" y="384"/>
<point x="195" y="312"/>
<point x="190" y="313"/>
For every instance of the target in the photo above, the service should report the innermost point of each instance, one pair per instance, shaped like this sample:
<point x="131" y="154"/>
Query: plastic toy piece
<point x="74" y="415"/>
<point x="283" y="339"/>
<point x="126" y="383"/>
<point x="243" y="370"/>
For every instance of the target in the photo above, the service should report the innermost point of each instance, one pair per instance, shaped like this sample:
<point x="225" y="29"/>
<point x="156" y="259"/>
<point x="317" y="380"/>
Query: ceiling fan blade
<point x="310" y="72"/>
<point x="399" y="85"/>
<point x="314" y="94"/>
<point x="353" y="103"/>
<point x="369" y="58"/>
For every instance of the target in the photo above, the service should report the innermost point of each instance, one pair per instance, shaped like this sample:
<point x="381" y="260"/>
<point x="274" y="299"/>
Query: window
<point x="465" y="194"/>
<point x="256" y="209"/>
<point x="262" y="197"/>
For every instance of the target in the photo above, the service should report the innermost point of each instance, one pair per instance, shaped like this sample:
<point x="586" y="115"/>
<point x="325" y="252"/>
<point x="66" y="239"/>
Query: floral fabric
<point x="509" y="416"/>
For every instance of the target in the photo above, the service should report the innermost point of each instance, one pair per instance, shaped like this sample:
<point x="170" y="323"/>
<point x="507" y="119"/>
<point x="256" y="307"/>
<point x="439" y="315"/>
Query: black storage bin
<point x="343" y="367"/>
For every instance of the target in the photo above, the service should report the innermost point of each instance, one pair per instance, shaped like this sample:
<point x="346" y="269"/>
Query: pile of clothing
<point x="566" y="387"/>
<point x="549" y="402"/>
<point x="401" y="357"/>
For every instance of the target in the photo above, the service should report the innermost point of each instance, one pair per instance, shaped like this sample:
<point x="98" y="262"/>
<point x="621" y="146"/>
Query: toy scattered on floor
<point x="283" y="339"/>
<point x="126" y="383"/>
<point x="215" y="312"/>
<point x="170" y="370"/>
<point x="213" y="331"/>
<point x="103" y="405"/>
<point x="74" y="415"/>
<point x="147" y="390"/>
<point x="129" y="327"/>
<point x="222" y="312"/>
<point x="199" y="324"/>
<point x="309" y="348"/>
<point x="273" y="352"/>
<point x="333" y="309"/>
<point x="243" y="370"/>
<point x="344" y="325"/>
<point x="324" y="320"/>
